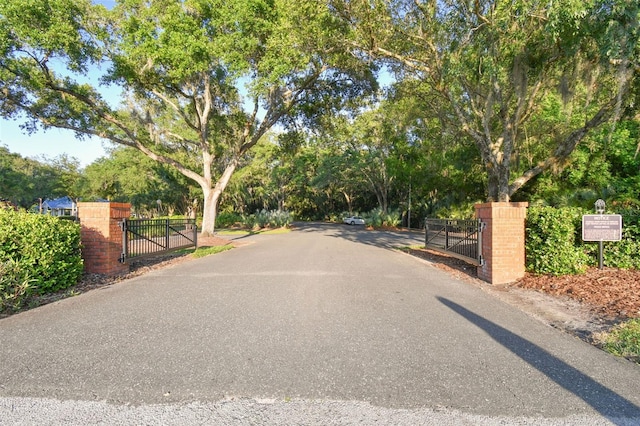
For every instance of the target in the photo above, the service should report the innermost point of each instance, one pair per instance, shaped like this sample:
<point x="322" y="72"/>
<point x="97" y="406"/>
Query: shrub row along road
<point x="325" y="324"/>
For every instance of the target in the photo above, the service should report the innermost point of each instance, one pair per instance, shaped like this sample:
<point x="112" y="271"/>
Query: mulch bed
<point x="613" y="294"/>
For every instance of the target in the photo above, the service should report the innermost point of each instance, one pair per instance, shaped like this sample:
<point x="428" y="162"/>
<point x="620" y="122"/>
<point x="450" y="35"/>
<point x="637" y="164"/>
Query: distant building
<point x="63" y="206"/>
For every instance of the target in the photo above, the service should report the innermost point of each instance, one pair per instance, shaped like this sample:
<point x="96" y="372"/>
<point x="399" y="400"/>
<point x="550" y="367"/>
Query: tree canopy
<point x="490" y="99"/>
<point x="489" y="68"/>
<point x="184" y="67"/>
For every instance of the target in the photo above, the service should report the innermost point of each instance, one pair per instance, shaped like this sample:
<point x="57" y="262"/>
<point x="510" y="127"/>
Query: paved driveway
<point x="326" y="322"/>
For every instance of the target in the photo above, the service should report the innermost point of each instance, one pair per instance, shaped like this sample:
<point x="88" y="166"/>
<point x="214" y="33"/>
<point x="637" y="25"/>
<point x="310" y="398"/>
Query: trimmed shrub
<point x="14" y="285"/>
<point x="39" y="254"/>
<point x="624" y="254"/>
<point x="228" y="219"/>
<point x="551" y="243"/>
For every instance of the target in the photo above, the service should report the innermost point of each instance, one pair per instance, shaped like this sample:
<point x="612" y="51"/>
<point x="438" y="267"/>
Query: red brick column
<point x="502" y="241"/>
<point x="102" y="237"/>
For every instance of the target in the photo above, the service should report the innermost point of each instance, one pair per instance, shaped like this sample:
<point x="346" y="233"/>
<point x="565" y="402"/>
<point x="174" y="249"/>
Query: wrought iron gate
<point x="456" y="237"/>
<point x="147" y="237"/>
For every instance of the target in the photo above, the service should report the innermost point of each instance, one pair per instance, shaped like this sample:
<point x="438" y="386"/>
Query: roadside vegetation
<point x="207" y="251"/>
<point x="38" y="255"/>
<point x="624" y="340"/>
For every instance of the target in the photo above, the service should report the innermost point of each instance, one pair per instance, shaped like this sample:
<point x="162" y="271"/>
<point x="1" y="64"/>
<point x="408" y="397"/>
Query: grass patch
<point x="624" y="340"/>
<point x="206" y="251"/>
<point x="274" y="231"/>
<point x="233" y="232"/>
<point x="414" y="247"/>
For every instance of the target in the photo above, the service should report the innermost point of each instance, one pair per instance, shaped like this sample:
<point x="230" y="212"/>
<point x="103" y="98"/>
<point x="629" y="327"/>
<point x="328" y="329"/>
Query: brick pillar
<point x="502" y="241"/>
<point x="102" y="237"/>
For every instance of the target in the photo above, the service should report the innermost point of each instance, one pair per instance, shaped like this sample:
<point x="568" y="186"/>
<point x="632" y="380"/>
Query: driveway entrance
<point x="328" y="319"/>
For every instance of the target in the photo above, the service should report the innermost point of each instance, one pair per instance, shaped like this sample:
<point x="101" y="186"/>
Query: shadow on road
<point x="606" y="402"/>
<point x="360" y="234"/>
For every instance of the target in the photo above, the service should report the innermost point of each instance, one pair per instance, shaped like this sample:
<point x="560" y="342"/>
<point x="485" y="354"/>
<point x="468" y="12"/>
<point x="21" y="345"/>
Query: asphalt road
<point x="324" y="325"/>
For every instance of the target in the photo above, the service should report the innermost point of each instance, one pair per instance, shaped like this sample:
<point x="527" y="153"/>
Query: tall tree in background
<point x="26" y="181"/>
<point x="182" y="66"/>
<point x="489" y="66"/>
<point x="127" y="175"/>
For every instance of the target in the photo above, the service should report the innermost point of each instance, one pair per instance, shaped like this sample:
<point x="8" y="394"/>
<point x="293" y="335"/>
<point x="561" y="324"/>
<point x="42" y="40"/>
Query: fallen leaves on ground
<point x="613" y="293"/>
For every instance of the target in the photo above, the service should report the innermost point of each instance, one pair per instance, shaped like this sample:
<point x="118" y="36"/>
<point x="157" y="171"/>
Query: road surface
<point x="327" y="324"/>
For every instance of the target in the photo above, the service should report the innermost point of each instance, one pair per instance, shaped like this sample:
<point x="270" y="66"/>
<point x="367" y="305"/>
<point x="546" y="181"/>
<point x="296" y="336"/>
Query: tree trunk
<point x="498" y="183"/>
<point x="348" y="199"/>
<point x="212" y="197"/>
<point x="210" y="210"/>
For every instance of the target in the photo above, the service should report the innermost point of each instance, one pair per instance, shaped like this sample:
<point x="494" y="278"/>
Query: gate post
<point x="502" y="241"/>
<point x="102" y="237"/>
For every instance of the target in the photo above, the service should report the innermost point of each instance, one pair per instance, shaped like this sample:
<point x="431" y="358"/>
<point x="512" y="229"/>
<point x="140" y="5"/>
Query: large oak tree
<point x="188" y="70"/>
<point x="488" y="68"/>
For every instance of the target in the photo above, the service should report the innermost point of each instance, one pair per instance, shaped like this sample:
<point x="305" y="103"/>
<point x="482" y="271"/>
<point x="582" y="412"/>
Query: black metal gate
<point x="456" y="237"/>
<point x="147" y="237"/>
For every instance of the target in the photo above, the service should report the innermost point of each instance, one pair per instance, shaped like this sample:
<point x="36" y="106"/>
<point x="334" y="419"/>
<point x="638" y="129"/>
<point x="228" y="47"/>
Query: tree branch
<point x="564" y="149"/>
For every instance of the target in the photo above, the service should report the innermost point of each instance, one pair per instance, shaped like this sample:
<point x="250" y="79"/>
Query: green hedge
<point x="229" y="220"/>
<point x="624" y="254"/>
<point x="38" y="255"/>
<point x="554" y="242"/>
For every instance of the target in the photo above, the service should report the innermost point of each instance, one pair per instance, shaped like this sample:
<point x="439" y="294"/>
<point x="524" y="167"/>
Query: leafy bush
<point x="624" y="253"/>
<point x="39" y="254"/>
<point x="14" y="285"/>
<point x="464" y="210"/>
<point x="551" y="243"/>
<point x="268" y="218"/>
<point x="228" y="219"/>
<point x="392" y="218"/>
<point x="373" y="218"/>
<point x="554" y="242"/>
<point x="378" y="218"/>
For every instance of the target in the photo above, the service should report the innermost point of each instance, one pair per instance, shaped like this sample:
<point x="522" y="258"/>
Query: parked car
<point x="353" y="220"/>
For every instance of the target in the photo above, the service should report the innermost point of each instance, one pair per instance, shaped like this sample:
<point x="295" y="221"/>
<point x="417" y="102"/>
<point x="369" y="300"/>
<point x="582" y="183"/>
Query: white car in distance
<point x="353" y="220"/>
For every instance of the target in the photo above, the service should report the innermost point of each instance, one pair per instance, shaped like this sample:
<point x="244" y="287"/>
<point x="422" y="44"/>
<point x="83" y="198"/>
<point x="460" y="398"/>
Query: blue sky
<point x="54" y="142"/>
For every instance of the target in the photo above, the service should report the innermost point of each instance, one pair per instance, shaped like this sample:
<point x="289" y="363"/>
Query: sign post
<point x="601" y="227"/>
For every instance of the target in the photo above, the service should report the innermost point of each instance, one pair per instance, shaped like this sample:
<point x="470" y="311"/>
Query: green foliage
<point x="373" y="218"/>
<point x="206" y="251"/>
<point x="604" y="166"/>
<point x="14" y="285"/>
<point x="625" y="254"/>
<point x="228" y="219"/>
<point x="268" y="219"/>
<point x="456" y="211"/>
<point x="127" y="175"/>
<point x="554" y="242"/>
<point x="40" y="254"/>
<point x="184" y="68"/>
<point x="624" y="340"/>
<point x="487" y="69"/>
<point x="378" y="218"/>
<point x="550" y="245"/>
<point x="24" y="180"/>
